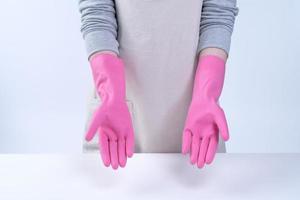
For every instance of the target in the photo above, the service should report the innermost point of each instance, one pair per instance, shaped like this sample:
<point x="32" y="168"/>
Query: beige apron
<point x="158" y="43"/>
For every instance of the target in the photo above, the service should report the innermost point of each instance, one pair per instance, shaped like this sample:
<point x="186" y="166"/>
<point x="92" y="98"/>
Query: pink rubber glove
<point x="112" y="119"/>
<point x="205" y="119"/>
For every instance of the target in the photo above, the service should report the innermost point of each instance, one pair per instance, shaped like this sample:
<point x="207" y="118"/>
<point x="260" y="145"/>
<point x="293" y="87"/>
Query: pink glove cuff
<point x="109" y="76"/>
<point x="209" y="77"/>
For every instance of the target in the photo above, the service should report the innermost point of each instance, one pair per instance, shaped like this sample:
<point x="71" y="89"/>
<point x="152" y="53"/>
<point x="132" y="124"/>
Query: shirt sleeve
<point x="99" y="25"/>
<point x="216" y="26"/>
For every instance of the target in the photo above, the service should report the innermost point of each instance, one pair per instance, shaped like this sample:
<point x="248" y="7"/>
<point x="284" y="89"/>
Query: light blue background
<point x="45" y="78"/>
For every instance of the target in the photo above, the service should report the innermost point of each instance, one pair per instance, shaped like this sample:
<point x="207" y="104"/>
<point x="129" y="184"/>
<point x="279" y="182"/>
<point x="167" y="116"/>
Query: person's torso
<point x="158" y="43"/>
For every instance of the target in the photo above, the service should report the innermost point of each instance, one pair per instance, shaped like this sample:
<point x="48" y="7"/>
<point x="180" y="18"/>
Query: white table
<point x="149" y="176"/>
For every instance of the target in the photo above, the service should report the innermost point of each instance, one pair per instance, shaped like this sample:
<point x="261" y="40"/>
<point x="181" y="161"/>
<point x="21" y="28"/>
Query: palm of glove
<point x="116" y="118"/>
<point x="201" y="132"/>
<point x="113" y="122"/>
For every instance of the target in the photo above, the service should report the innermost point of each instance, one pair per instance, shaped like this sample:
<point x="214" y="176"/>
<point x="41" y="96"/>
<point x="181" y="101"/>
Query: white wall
<point x="261" y="94"/>
<point x="45" y="78"/>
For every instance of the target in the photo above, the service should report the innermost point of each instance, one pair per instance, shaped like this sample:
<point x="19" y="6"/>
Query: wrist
<point x="220" y="53"/>
<point x="113" y="100"/>
<point x="98" y="53"/>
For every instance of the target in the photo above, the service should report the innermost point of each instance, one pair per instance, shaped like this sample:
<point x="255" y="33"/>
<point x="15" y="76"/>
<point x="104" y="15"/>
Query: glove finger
<point x="104" y="148"/>
<point x="113" y="148"/>
<point x="130" y="144"/>
<point x="186" y="141"/>
<point x="195" y="149"/>
<point x="212" y="149"/>
<point x="202" y="152"/>
<point x="222" y="124"/>
<point x="122" y="153"/>
<point x="97" y="119"/>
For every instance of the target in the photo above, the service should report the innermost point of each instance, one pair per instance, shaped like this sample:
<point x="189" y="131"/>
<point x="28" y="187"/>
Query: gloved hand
<point x="205" y="119"/>
<point x="112" y="119"/>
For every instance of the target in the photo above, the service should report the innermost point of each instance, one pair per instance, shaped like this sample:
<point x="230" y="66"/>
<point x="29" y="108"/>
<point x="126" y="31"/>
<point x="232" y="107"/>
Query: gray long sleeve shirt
<point x="99" y="24"/>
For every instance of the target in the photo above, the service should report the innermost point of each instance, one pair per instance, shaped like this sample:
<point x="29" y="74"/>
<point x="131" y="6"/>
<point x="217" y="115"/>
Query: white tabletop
<point x="148" y="176"/>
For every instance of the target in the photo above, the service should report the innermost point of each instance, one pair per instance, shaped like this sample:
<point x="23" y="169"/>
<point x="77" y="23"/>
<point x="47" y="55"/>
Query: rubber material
<point x="205" y="119"/>
<point x="112" y="120"/>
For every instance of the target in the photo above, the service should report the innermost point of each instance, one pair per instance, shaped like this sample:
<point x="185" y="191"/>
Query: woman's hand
<point x="113" y="123"/>
<point x="112" y="120"/>
<point x="205" y="119"/>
